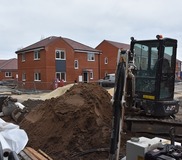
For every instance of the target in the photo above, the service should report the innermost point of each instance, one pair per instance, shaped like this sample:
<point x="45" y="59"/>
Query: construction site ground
<point x="71" y="122"/>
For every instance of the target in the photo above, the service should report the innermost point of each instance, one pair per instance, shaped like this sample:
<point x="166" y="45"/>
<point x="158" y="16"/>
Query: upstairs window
<point x="91" y="57"/>
<point x="60" y="55"/>
<point x="76" y="64"/>
<point x="37" y="76"/>
<point x="36" y="55"/>
<point x="105" y="60"/>
<point x="23" y="57"/>
<point x="8" y="74"/>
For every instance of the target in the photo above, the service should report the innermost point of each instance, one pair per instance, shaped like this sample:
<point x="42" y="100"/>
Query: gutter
<point x="29" y="50"/>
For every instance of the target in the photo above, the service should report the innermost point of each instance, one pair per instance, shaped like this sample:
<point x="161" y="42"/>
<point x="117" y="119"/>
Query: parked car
<point x="108" y="80"/>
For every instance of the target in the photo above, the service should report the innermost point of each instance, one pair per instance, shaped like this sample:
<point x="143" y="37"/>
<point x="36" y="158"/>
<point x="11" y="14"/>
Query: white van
<point x="108" y="80"/>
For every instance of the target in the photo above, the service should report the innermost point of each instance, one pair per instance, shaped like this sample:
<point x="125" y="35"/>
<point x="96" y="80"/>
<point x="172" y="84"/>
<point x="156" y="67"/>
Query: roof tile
<point x="79" y="46"/>
<point x="41" y="43"/>
<point x="10" y="64"/>
<point x="45" y="42"/>
<point x="119" y="45"/>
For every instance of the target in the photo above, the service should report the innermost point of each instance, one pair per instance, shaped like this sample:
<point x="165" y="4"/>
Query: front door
<point x="85" y="77"/>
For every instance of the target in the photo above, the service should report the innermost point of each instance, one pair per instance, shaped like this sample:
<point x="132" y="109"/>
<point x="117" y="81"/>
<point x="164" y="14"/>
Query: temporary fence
<point x="34" y="86"/>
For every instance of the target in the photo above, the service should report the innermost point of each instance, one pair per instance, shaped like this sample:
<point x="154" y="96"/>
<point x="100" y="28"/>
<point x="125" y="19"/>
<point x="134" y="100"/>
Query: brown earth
<point x="75" y="125"/>
<point x="72" y="124"/>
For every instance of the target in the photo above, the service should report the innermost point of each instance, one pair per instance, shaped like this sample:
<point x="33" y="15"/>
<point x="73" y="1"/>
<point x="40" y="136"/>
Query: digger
<point x="144" y="87"/>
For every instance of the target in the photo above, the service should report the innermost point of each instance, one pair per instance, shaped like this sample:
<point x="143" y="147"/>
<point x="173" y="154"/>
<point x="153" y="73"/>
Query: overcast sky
<point x="24" y="22"/>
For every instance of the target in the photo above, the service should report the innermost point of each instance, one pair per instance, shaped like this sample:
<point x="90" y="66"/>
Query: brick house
<point x="8" y="69"/>
<point x="178" y="69"/>
<point x="108" y="58"/>
<point x="42" y="64"/>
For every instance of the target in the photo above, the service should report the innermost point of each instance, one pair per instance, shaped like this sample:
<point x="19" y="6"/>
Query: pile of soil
<point x="68" y="126"/>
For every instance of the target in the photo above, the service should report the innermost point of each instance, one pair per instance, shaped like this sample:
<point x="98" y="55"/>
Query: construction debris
<point x="77" y="121"/>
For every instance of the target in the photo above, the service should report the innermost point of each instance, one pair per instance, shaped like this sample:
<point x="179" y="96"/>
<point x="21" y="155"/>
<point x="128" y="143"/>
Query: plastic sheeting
<point x="12" y="137"/>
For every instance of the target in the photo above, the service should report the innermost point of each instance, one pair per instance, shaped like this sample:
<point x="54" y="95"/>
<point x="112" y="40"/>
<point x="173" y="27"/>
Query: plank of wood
<point x="36" y="154"/>
<point x="23" y="155"/>
<point x="30" y="154"/>
<point x="45" y="155"/>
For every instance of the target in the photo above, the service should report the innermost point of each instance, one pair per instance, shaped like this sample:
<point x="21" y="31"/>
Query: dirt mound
<point x="70" y="124"/>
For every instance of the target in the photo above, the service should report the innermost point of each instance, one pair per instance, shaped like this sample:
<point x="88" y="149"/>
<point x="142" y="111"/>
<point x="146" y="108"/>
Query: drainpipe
<point x="99" y="69"/>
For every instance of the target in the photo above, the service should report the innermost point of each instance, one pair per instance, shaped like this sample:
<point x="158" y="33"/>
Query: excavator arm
<point x="121" y="94"/>
<point x="117" y="112"/>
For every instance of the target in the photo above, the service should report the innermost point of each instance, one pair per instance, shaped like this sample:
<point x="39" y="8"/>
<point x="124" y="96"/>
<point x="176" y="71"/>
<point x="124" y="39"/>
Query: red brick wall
<point x="46" y="66"/>
<point x="30" y="66"/>
<point x="13" y="72"/>
<point x="111" y="53"/>
<point x="71" y="73"/>
<point x="84" y="64"/>
<point x="178" y="69"/>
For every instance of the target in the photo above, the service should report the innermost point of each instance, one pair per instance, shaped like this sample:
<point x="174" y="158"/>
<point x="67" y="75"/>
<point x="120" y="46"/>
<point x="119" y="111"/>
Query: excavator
<point x="143" y="97"/>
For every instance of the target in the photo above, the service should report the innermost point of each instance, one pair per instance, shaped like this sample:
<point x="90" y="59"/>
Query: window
<point x="105" y="74"/>
<point x="179" y="64"/>
<point x="8" y="74"/>
<point x="23" y="77"/>
<point x="106" y="60"/>
<point x="23" y="57"/>
<point x="91" y="57"/>
<point x="37" y="77"/>
<point x="61" y="76"/>
<point x="60" y="54"/>
<point x="36" y="55"/>
<point x="76" y="64"/>
<point x="91" y="75"/>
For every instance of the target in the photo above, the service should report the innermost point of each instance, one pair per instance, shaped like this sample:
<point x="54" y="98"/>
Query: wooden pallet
<point x="29" y="153"/>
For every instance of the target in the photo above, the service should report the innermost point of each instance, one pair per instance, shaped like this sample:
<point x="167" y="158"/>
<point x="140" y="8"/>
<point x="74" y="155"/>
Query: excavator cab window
<point x="167" y="75"/>
<point x="145" y="59"/>
<point x="155" y="68"/>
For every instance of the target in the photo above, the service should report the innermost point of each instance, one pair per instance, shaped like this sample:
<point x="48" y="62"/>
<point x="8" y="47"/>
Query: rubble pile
<point x="73" y="124"/>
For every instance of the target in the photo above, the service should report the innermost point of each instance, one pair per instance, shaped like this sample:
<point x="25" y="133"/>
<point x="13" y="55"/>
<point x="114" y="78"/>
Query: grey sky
<point x="23" y="22"/>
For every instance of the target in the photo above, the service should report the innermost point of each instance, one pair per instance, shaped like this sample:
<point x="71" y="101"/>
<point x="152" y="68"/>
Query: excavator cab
<point x="155" y="62"/>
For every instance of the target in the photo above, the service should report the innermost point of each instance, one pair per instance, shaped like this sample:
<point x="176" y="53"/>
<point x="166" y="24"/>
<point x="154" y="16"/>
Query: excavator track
<point x="143" y="124"/>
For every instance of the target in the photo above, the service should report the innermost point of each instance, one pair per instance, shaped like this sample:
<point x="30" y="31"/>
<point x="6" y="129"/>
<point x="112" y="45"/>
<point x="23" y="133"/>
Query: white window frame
<point x="105" y="74"/>
<point x="91" y="75"/>
<point x="90" y="56"/>
<point x="179" y="64"/>
<point x="62" y="54"/>
<point x="37" y="55"/>
<point x="37" y="76"/>
<point x="23" y="76"/>
<point x="23" y="57"/>
<point x="62" y="76"/>
<point x="8" y="74"/>
<point x="76" y="64"/>
<point x="105" y="60"/>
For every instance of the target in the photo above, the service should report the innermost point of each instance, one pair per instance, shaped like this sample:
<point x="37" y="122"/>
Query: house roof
<point x="10" y="64"/>
<point x="119" y="45"/>
<point x="40" y="44"/>
<point x="79" y="46"/>
<point x="45" y="42"/>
